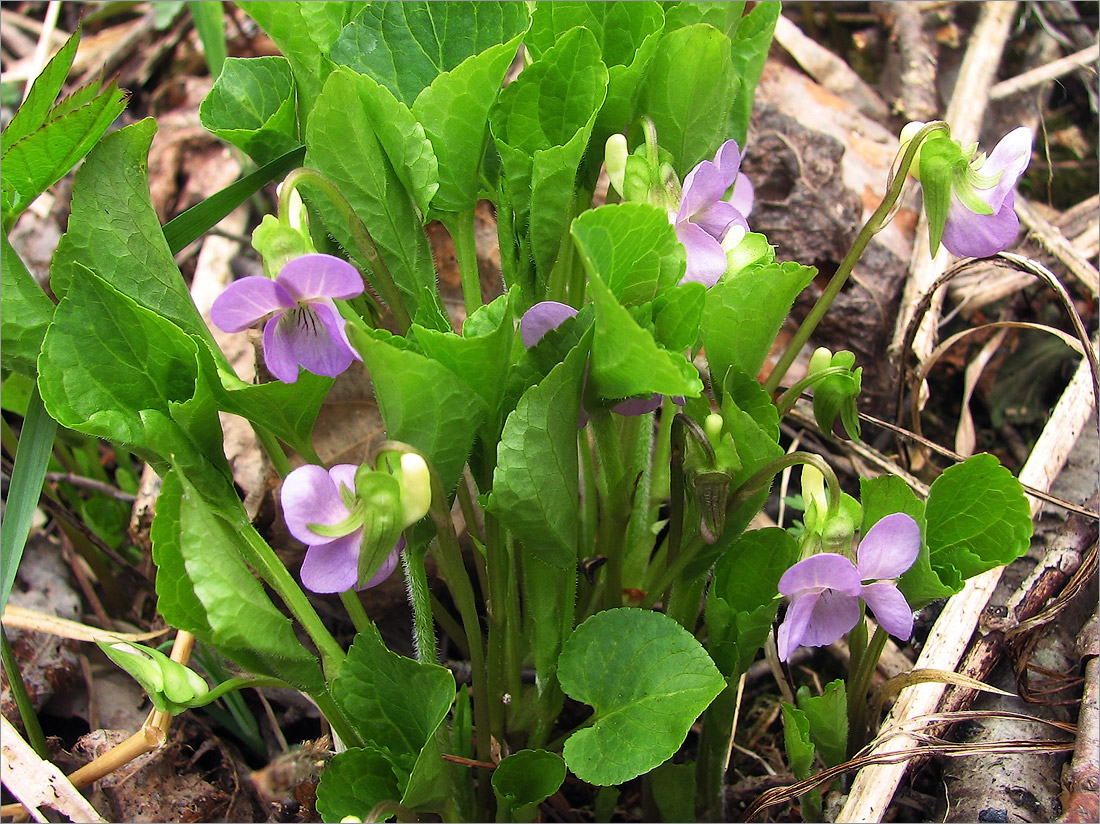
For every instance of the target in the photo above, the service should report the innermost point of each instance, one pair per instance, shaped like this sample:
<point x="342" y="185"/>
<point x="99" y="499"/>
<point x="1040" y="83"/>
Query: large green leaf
<point x="535" y="485"/>
<point x="114" y="231"/>
<point x="405" y="46"/>
<point x="632" y="248"/>
<point x="303" y="31"/>
<point x="27" y="313"/>
<point x="205" y="587"/>
<point x="541" y="125"/>
<point x="252" y="106"/>
<point x="977" y="518"/>
<point x="689" y="93"/>
<point x="744" y="313"/>
<point x="827" y="715"/>
<point x="35" y="109"/>
<point x="524" y="779"/>
<point x="395" y="703"/>
<point x="422" y="402"/>
<point x="647" y="678"/>
<point x="480" y="356"/>
<point x="354" y="781"/>
<point x="751" y="42"/>
<point x="37" y="161"/>
<point x="119" y="371"/>
<point x="628" y="34"/>
<point x="743" y="598"/>
<point x="454" y="110"/>
<point x="342" y="145"/>
<point x="627" y="361"/>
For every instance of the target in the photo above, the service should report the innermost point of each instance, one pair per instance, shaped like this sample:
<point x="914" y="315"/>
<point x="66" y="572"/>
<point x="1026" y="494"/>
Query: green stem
<point x="275" y="452"/>
<point x="763" y="476"/>
<point x="336" y="719"/>
<point x="614" y="510"/>
<point x="788" y="399"/>
<point x="496" y="608"/>
<point x="263" y="559"/>
<point x="672" y="573"/>
<point x="35" y="737"/>
<point x="231" y="684"/>
<point x="859" y="684"/>
<point x="354" y="607"/>
<point x="416" y="581"/>
<point x="449" y="558"/>
<point x="359" y="235"/>
<point x="874" y="224"/>
<point x="461" y="227"/>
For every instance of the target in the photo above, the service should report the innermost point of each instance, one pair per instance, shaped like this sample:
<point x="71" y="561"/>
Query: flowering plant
<point x="588" y="552"/>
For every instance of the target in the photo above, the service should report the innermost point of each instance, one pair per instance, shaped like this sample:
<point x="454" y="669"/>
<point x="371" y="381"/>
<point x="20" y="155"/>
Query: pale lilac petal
<point x="706" y="259"/>
<point x="743" y="195"/>
<point x="967" y="234"/>
<point x="387" y="568"/>
<point x="793" y="628"/>
<point x="246" y="301"/>
<point x="890" y="608"/>
<point x="311" y="495"/>
<point x="320" y="276"/>
<point x="826" y="570"/>
<point x="279" y="356"/>
<point x="333" y="567"/>
<point x="638" y="406"/>
<point x="541" y="318"/>
<point x="728" y="161"/>
<point x="320" y="343"/>
<point x="703" y="186"/>
<point x="343" y="475"/>
<point x="717" y="218"/>
<point x="1011" y="158"/>
<point x="889" y="548"/>
<point x="834" y="614"/>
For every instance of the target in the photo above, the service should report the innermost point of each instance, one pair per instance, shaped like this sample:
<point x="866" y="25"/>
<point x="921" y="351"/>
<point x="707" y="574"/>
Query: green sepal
<point x="939" y="158"/>
<point x="380" y="496"/>
<point x="278" y="244"/>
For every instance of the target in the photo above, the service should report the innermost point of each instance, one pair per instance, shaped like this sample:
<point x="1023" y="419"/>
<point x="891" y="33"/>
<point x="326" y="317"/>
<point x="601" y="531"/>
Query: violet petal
<point x="717" y="218"/>
<point x="541" y="318"/>
<point x="889" y="548"/>
<point x="279" y="355"/>
<point x="332" y="567"/>
<point x="793" y="628"/>
<point x="320" y="276"/>
<point x="706" y="259"/>
<point x="743" y="194"/>
<point x="834" y="614"/>
<point x="311" y="495"/>
<point x="320" y="343"/>
<point x="637" y="406"/>
<point x="890" y="608"/>
<point x="824" y="570"/>
<point x="967" y="234"/>
<point x="1011" y="158"/>
<point x="246" y="301"/>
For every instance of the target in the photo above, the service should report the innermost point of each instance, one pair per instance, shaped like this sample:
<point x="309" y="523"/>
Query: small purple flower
<point x="549" y="314"/>
<point x="825" y="589"/>
<point x="707" y="224"/>
<point x="313" y="496"/>
<point x="304" y="326"/>
<point x="969" y="234"/>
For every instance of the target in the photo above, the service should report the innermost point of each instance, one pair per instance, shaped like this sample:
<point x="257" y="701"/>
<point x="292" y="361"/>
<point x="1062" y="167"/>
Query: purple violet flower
<point x="548" y="315"/>
<point x="969" y="234"/>
<point x="708" y="225"/>
<point x="825" y="588"/>
<point x="312" y="495"/>
<point x="304" y="326"/>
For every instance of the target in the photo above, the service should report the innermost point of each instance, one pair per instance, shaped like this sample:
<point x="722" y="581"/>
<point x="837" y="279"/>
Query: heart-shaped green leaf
<point x="647" y="678"/>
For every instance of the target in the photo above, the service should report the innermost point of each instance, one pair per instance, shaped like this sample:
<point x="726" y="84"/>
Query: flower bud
<point x="416" y="487"/>
<point x="615" y="155"/>
<point x="820" y="360"/>
<point x="170" y="685"/>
